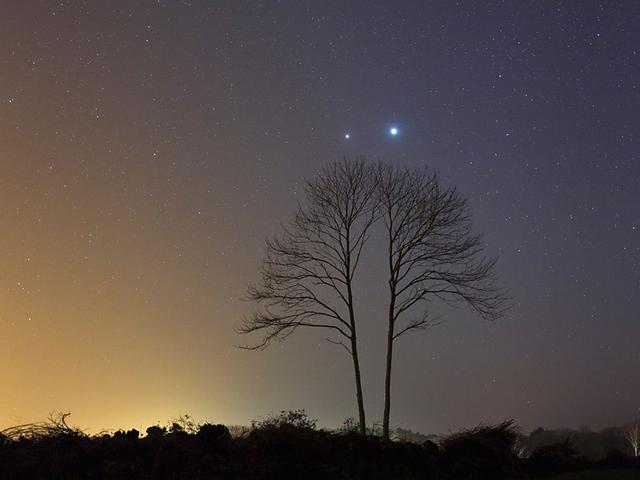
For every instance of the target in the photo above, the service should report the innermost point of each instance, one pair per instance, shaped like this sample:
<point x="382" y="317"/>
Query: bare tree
<point x="632" y="435"/>
<point x="432" y="254"/>
<point x="308" y="271"/>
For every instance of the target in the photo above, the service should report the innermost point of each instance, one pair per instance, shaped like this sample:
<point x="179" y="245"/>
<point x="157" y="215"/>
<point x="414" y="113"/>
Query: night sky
<point x="147" y="148"/>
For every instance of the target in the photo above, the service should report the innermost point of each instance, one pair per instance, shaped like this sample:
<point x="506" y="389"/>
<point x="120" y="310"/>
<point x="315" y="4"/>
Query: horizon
<point x="376" y="424"/>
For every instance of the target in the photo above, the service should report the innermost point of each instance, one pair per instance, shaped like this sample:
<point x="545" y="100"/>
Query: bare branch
<point x="308" y="269"/>
<point x="421" y="323"/>
<point x="341" y="344"/>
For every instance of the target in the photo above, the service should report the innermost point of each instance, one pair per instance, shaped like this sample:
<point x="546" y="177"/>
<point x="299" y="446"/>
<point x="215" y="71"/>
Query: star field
<point x="147" y="148"/>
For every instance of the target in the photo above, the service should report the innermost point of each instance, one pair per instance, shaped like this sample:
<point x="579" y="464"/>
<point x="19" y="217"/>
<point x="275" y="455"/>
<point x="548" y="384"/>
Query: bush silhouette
<point x="297" y="419"/>
<point x="156" y="431"/>
<point x="132" y="434"/>
<point x="483" y="452"/>
<point x="616" y="458"/>
<point x="555" y="458"/>
<point x="213" y="433"/>
<point x="286" y="445"/>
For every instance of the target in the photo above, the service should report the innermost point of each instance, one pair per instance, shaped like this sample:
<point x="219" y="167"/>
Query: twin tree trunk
<point x="308" y="271"/>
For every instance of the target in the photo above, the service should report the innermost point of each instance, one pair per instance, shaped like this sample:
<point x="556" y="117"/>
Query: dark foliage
<point x="213" y="434"/>
<point x="618" y="459"/>
<point x="591" y="444"/>
<point x="297" y="419"/>
<point x="129" y="435"/>
<point x="556" y="458"/>
<point x="483" y="452"/>
<point x="282" y="446"/>
<point x="156" y="431"/>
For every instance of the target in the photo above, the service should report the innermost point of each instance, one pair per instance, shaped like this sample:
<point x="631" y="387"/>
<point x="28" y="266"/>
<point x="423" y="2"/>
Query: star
<point x="347" y="136"/>
<point x="393" y="131"/>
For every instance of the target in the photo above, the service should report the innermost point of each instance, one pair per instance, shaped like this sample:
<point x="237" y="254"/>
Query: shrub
<point x="616" y="458"/>
<point x="286" y="418"/>
<point x="213" y="433"/>
<point x="156" y="431"/>
<point x="555" y="458"/>
<point x="132" y="434"/>
<point x="184" y="424"/>
<point x="431" y="448"/>
<point x="348" y="426"/>
<point x="483" y="452"/>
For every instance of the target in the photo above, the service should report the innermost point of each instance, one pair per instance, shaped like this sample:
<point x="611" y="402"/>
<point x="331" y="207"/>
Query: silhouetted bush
<point x="616" y="458"/>
<point x="483" y="452"/>
<point x="284" y="446"/>
<point x="156" y="431"/>
<point x="286" y="418"/>
<point x="590" y="444"/>
<point x="213" y="433"/>
<point x="555" y="458"/>
<point x="132" y="434"/>
<point x="431" y="448"/>
<point x="350" y="425"/>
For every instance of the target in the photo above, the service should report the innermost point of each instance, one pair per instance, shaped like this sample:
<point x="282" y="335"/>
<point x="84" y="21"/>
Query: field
<point x="603" y="475"/>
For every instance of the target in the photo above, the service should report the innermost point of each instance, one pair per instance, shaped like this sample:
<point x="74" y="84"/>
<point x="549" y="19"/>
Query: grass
<point x="602" y="475"/>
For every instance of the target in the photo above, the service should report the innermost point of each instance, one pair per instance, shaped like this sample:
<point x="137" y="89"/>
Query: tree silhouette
<point x="432" y="254"/>
<point x="308" y="270"/>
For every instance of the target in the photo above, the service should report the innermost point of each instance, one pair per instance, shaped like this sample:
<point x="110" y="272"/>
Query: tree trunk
<point x="387" y="378"/>
<point x="393" y="276"/>
<point x="362" y="427"/>
<point x="354" y="354"/>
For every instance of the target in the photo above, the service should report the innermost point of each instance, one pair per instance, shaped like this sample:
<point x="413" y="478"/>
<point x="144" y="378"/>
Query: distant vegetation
<point x="288" y="445"/>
